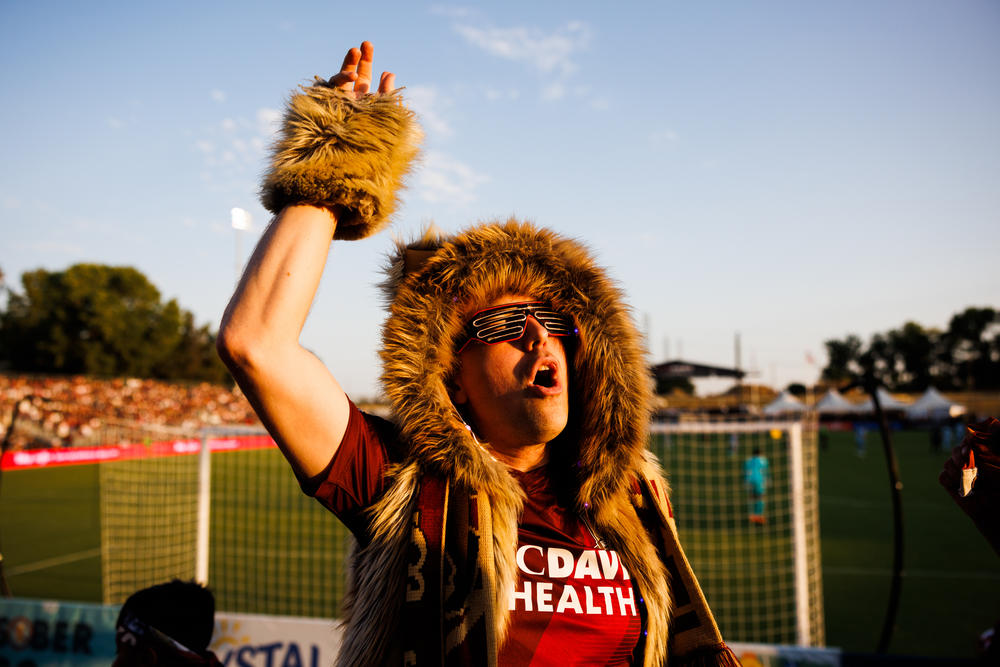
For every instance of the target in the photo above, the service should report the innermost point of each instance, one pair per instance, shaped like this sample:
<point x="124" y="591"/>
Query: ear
<point x="457" y="391"/>
<point x="454" y="384"/>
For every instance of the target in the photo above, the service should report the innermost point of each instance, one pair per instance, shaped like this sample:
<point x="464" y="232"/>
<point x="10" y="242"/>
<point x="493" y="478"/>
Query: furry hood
<point x="430" y="286"/>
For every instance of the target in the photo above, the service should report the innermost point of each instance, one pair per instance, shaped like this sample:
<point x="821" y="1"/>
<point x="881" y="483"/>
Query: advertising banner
<point x="246" y="640"/>
<point x="45" y="633"/>
<point x="774" y="655"/>
<point x="62" y="456"/>
<point x="34" y="633"/>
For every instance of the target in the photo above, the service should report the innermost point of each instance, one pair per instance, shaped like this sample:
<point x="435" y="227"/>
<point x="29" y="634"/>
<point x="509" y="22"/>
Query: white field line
<point x="54" y="562"/>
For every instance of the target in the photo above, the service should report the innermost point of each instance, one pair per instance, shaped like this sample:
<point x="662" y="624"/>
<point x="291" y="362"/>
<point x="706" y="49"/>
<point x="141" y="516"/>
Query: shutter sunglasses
<point x="501" y="324"/>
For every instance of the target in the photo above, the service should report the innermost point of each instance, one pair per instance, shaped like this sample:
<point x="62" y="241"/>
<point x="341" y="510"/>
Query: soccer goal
<point x="745" y="497"/>
<point x="223" y="507"/>
<point x="220" y="506"/>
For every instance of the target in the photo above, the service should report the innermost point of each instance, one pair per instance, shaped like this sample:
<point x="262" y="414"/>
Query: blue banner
<point x="34" y="633"/>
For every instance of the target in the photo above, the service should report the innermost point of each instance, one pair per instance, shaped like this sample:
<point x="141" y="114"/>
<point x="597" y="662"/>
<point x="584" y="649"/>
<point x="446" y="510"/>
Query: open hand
<point x="356" y="73"/>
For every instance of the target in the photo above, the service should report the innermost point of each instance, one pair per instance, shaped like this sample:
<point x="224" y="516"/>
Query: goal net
<point x="750" y="531"/>
<point x="745" y="498"/>
<point x="149" y="513"/>
<point x="221" y="507"/>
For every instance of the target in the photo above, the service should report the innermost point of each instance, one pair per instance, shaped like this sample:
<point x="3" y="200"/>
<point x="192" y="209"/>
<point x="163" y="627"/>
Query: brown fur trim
<point x="603" y="449"/>
<point x="338" y="151"/>
<point x="378" y="574"/>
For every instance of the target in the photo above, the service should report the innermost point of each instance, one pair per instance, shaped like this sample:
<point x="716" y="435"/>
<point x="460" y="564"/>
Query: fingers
<point x="387" y="83"/>
<point x="356" y="72"/>
<point x="364" y="80"/>
<point x="348" y="72"/>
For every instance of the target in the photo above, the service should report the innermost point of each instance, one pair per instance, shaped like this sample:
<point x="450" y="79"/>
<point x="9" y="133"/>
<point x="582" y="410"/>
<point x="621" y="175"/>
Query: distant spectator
<point x="166" y="625"/>
<point x="935" y="438"/>
<point x="946" y="433"/>
<point x="69" y="411"/>
<point x="860" y="433"/>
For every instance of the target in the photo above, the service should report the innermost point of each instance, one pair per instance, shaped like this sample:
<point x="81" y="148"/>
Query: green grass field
<point x="951" y="588"/>
<point x="50" y="526"/>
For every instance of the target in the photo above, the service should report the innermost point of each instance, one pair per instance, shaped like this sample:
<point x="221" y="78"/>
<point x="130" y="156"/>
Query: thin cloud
<point x="428" y="104"/>
<point x="552" y="55"/>
<point x="554" y="91"/>
<point x="548" y="53"/>
<point x="233" y="150"/>
<point x="442" y="178"/>
<point x="217" y="96"/>
<point x="663" y="136"/>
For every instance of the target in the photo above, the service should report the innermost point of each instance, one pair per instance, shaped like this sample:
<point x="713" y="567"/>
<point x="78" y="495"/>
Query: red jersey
<point x="573" y="603"/>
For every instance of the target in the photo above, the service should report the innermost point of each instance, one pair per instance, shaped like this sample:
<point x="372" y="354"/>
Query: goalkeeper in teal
<point x="755" y="475"/>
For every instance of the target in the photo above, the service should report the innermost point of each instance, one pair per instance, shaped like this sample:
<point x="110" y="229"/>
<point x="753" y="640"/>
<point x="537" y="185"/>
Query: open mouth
<point x="545" y="377"/>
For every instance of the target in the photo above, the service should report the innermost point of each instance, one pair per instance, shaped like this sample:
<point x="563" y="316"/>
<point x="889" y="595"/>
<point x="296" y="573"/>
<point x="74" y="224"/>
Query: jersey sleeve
<point x="355" y="476"/>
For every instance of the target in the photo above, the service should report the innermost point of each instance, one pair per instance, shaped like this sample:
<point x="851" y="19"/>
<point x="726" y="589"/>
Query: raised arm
<point x="294" y="394"/>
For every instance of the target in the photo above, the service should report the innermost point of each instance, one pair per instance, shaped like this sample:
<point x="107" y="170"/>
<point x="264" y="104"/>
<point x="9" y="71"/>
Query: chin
<point x="547" y="424"/>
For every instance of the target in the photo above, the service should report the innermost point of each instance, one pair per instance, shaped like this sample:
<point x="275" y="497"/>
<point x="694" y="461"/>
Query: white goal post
<point x="756" y="555"/>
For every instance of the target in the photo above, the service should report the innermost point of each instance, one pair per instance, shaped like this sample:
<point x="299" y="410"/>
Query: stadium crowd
<point x="73" y="411"/>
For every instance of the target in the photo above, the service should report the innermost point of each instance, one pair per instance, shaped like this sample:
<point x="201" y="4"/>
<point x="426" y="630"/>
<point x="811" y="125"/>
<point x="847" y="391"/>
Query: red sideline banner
<point x="67" y="456"/>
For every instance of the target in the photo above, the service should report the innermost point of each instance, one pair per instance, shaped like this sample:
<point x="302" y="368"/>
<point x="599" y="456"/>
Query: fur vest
<point x="431" y="585"/>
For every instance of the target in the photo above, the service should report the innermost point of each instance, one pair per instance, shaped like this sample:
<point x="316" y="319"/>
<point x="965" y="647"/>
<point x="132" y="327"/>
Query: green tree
<point x="915" y="355"/>
<point x="194" y="356"/>
<point x="843" y="359"/>
<point x="972" y="345"/>
<point x="797" y="389"/>
<point x="99" y="320"/>
<point x="912" y="358"/>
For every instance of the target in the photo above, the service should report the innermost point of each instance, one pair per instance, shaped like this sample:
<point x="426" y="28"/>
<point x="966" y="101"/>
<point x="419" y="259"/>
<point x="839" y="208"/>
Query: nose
<point x="535" y="334"/>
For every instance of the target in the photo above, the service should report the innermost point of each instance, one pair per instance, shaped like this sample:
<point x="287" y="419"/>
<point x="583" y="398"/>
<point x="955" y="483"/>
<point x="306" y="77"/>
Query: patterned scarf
<point x="446" y="619"/>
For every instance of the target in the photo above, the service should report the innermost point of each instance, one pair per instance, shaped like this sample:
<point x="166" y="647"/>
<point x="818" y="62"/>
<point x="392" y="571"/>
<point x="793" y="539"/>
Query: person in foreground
<point x="169" y="625"/>
<point x="510" y="513"/>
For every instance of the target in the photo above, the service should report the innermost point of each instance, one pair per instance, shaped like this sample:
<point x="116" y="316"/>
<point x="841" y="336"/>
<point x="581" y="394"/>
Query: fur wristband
<point x="338" y="151"/>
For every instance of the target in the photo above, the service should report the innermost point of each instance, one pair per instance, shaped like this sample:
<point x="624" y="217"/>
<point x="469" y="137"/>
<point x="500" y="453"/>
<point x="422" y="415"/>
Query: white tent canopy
<point x="885" y="400"/>
<point x="833" y="403"/>
<point x="784" y="403"/>
<point x="932" y="405"/>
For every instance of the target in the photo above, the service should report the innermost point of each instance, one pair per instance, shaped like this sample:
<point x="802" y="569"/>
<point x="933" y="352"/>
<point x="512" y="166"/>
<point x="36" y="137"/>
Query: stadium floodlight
<point x="240" y="218"/>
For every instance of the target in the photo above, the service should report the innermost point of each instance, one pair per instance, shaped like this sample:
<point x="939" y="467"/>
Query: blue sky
<point x="792" y="171"/>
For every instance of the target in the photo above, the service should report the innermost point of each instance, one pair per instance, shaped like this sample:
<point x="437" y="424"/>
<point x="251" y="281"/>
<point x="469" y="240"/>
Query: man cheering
<point x="509" y="513"/>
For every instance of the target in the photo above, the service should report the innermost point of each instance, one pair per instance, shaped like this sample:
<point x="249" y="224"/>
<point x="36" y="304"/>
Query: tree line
<point x="99" y="320"/>
<point x="965" y="357"/>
